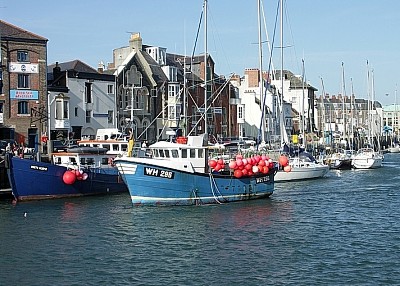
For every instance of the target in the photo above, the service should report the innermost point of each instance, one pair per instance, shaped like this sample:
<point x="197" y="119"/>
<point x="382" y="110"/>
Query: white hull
<point x="367" y="159"/>
<point x="302" y="173"/>
<point x="394" y="149"/>
<point x="367" y="163"/>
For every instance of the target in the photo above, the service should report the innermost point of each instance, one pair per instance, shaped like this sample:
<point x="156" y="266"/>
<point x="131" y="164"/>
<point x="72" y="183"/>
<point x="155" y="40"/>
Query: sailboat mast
<point x="282" y="125"/>
<point x="261" y="81"/>
<point x="302" y="117"/>
<point x="205" y="70"/>
<point x="343" y="104"/>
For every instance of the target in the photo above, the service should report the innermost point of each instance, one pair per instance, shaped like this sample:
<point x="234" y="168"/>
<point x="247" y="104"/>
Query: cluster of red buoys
<point x="70" y="176"/>
<point x="248" y="166"/>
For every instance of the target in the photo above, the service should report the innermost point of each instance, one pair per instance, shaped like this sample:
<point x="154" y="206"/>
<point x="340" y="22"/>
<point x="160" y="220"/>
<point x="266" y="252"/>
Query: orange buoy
<point x="232" y="164"/>
<point x="283" y="161"/>
<point x="238" y="173"/>
<point x="212" y="163"/>
<point x="69" y="177"/>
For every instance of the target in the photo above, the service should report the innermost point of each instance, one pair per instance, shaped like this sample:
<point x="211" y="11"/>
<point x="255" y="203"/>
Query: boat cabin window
<point x="115" y="147"/>
<point x="87" y="161"/>
<point x="124" y="147"/>
<point x="161" y="153"/>
<point x="95" y="145"/>
<point x="107" y="146"/>
<point x="192" y="153"/>
<point x="104" y="161"/>
<point x="201" y="153"/>
<point x="72" y="160"/>
<point x="184" y="153"/>
<point x="174" y="153"/>
<point x="167" y="153"/>
<point x="57" y="160"/>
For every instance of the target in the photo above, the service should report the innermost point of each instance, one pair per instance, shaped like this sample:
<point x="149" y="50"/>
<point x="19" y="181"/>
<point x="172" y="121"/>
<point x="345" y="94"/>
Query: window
<point x="88" y="115"/>
<point x="110" y="116"/>
<point x="23" y="107"/>
<point x="110" y="89"/>
<point x="88" y="92"/>
<point x="76" y="111"/>
<point x="23" y="80"/>
<point x="240" y="112"/>
<point x="62" y="109"/>
<point x="22" y="56"/>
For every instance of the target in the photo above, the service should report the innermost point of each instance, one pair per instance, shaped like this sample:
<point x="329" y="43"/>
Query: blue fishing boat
<point x="77" y="172"/>
<point x="179" y="173"/>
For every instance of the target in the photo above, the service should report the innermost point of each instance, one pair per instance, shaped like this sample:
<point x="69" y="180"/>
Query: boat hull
<point x="340" y="164"/>
<point x="154" y="185"/>
<point x="32" y="180"/>
<point x="302" y="173"/>
<point x="367" y="163"/>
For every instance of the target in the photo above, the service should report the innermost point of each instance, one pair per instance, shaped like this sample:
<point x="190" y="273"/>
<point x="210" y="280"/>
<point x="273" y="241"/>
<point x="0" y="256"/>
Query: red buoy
<point x="283" y="161"/>
<point x="69" y="177"/>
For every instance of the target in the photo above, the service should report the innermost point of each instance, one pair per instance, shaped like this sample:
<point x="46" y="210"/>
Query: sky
<point x="326" y="40"/>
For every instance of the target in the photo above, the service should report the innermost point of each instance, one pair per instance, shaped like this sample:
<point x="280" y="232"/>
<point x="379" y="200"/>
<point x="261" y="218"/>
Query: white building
<point x="80" y="101"/>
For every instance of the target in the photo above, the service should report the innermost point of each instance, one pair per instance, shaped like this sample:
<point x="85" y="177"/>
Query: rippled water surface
<point x="340" y="230"/>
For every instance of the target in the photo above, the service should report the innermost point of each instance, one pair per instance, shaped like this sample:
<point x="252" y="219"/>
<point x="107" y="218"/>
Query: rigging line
<point x="205" y="111"/>
<point x="197" y="35"/>
<point x="269" y="70"/>
<point x="291" y="34"/>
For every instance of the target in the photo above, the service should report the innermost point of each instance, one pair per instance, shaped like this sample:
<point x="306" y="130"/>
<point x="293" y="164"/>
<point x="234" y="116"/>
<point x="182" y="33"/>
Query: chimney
<point x="253" y="77"/>
<point x="135" y="42"/>
<point x="100" y="67"/>
<point x="56" y="71"/>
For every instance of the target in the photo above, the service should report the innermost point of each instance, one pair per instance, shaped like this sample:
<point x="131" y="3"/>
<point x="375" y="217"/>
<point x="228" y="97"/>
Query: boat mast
<point x="302" y="106"/>
<point x="343" y="104"/>
<point x="282" y="125"/>
<point x="261" y="81"/>
<point x="205" y="71"/>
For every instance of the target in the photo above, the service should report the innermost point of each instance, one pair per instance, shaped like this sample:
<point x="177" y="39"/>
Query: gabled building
<point x="167" y="92"/>
<point x="141" y="83"/>
<point x="81" y="100"/>
<point x="302" y="97"/>
<point x="23" y="89"/>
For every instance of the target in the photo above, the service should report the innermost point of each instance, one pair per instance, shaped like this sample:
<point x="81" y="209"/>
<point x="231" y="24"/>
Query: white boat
<point x="394" y="149"/>
<point x="302" y="167"/>
<point x="367" y="158"/>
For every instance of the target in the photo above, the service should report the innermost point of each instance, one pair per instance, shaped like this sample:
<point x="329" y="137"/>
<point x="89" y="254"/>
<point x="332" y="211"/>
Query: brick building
<point x="23" y="94"/>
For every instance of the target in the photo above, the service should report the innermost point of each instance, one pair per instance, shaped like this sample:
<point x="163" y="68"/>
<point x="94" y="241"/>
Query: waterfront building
<point x="301" y="95"/>
<point x="167" y="93"/>
<point x="81" y="100"/>
<point x="346" y="118"/>
<point x="23" y="90"/>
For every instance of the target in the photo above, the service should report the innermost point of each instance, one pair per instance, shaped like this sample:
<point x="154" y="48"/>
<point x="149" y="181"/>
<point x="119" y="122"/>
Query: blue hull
<point x="153" y="185"/>
<point x="32" y="180"/>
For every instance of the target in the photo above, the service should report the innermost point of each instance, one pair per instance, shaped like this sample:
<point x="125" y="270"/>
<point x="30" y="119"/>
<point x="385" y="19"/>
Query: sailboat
<point x="183" y="173"/>
<point x="302" y="165"/>
<point x="367" y="157"/>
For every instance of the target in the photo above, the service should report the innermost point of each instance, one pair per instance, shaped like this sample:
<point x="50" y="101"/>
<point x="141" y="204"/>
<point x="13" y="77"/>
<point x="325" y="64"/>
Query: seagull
<point x="25" y="214"/>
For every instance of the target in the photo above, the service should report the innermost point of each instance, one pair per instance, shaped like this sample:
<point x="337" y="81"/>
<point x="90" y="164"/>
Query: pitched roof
<point x="11" y="32"/>
<point x="75" y="65"/>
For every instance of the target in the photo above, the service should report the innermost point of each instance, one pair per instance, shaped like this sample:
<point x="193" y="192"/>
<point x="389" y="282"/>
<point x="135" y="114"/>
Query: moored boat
<point x="70" y="174"/>
<point x="302" y="167"/>
<point x="367" y="158"/>
<point x="179" y="174"/>
<point x="340" y="160"/>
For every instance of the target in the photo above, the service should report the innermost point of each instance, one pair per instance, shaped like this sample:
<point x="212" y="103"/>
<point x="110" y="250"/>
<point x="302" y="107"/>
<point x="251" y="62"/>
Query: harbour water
<point x="340" y="230"/>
